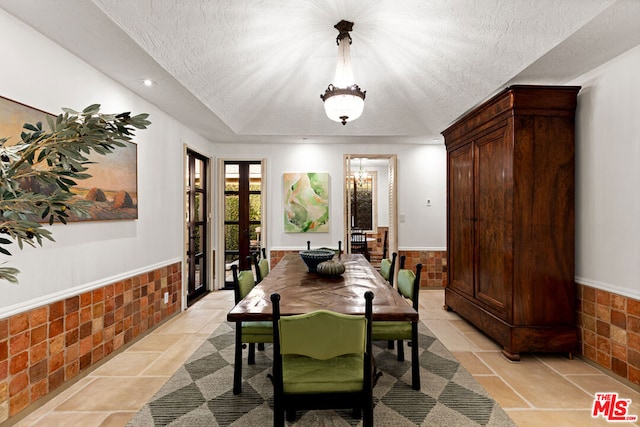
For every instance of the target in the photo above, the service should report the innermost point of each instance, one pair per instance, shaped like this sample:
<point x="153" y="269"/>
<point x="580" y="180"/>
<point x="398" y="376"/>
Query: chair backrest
<point x="358" y="236"/>
<point x="337" y="251"/>
<point x="262" y="267"/>
<point x="409" y="284"/>
<point x="359" y="242"/>
<point x="388" y="267"/>
<point x="321" y="334"/>
<point x="385" y="244"/>
<point x="243" y="282"/>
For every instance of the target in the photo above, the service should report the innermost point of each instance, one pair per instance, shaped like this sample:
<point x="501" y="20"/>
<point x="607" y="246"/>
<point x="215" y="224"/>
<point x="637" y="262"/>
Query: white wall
<point x="37" y="72"/>
<point x="608" y="176"/>
<point x="421" y="175"/>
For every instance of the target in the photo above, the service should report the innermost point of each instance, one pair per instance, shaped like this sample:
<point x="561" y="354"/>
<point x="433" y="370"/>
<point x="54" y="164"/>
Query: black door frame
<point x="197" y="228"/>
<point x="244" y="222"/>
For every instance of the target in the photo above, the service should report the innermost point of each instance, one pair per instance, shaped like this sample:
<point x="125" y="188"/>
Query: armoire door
<point x="493" y="236"/>
<point x="461" y="220"/>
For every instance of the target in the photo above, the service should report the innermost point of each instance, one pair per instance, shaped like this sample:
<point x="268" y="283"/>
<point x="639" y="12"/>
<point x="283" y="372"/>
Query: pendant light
<point x="343" y="99"/>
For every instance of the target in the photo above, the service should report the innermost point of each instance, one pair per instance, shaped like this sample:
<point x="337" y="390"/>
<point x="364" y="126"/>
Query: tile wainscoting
<point x="45" y="347"/>
<point x="609" y="328"/>
<point x="434" y="266"/>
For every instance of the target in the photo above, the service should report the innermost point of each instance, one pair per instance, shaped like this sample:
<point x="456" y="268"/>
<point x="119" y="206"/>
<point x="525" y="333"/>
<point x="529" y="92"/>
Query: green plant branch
<point x="56" y="160"/>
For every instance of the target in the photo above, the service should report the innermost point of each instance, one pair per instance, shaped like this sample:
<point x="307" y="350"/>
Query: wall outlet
<point x="166" y="297"/>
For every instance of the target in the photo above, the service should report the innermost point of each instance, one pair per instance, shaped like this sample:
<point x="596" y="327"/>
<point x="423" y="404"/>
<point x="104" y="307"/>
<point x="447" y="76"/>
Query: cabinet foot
<point x="514" y="357"/>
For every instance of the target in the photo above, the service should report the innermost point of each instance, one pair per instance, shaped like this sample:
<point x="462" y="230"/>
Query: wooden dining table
<point x="302" y="291"/>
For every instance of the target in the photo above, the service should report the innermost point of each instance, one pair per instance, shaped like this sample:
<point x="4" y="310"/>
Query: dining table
<point x="302" y="291"/>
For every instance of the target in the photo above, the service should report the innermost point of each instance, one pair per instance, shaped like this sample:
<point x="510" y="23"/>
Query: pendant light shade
<point x="343" y="99"/>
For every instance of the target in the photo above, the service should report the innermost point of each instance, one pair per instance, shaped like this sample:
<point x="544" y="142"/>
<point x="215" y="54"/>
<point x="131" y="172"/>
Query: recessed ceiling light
<point x="148" y="82"/>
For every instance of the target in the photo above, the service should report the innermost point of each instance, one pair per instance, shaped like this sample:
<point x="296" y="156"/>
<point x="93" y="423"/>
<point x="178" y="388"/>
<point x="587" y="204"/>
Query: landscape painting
<point x="113" y="186"/>
<point x="306" y="202"/>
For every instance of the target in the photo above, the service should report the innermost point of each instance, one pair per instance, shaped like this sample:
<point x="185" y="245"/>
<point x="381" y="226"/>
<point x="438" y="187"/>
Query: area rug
<point x="200" y="392"/>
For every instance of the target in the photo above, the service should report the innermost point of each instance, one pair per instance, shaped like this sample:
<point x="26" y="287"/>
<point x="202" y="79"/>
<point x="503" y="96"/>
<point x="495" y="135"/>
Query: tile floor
<point x="540" y="390"/>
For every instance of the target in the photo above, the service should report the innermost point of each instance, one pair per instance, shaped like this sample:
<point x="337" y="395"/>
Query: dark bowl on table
<point x="313" y="257"/>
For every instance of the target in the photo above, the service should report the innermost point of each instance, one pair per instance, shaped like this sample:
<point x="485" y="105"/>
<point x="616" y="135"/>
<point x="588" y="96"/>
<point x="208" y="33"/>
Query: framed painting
<point x="306" y="202"/>
<point x="113" y="186"/>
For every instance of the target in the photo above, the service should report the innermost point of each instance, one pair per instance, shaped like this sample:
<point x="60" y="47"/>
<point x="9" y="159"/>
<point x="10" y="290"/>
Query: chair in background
<point x="385" y="244"/>
<point x="408" y="284"/>
<point x="337" y="251"/>
<point x="322" y="360"/>
<point x="359" y="243"/>
<point x="261" y="266"/>
<point x="388" y="268"/>
<point x="388" y="271"/>
<point x="251" y="333"/>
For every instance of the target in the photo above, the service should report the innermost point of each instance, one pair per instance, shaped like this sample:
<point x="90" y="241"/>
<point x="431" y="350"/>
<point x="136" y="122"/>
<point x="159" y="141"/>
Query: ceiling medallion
<point x="343" y="99"/>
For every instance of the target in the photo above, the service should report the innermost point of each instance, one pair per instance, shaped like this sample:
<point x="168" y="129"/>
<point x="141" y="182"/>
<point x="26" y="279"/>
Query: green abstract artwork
<point x="306" y="202"/>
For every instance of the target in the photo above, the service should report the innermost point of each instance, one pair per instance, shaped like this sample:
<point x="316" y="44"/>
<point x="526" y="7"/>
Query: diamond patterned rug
<point x="200" y="392"/>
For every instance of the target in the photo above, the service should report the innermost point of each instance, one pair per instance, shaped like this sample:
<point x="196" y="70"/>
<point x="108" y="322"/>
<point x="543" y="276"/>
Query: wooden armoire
<point x="510" y="219"/>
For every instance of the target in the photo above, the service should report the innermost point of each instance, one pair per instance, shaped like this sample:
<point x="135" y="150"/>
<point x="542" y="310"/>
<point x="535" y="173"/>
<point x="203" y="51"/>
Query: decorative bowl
<point x="313" y="257"/>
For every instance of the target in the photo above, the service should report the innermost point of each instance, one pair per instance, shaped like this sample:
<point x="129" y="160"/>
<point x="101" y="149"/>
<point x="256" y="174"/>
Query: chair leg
<point x="291" y="415"/>
<point x="390" y="345"/>
<point x="260" y="346"/>
<point x="415" y="362"/>
<point x="278" y="417"/>
<point x="252" y="354"/>
<point x="367" y="418"/>
<point x="400" y="351"/>
<point x="237" y="364"/>
<point x="356" y="413"/>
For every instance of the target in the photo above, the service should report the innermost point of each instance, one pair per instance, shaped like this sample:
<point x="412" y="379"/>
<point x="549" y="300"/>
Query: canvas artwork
<point x="113" y="186"/>
<point x="306" y="202"/>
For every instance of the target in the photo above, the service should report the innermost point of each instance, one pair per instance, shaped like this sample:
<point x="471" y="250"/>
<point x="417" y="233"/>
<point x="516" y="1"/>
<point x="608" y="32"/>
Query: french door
<point x="242" y="213"/>
<point x="197" y="242"/>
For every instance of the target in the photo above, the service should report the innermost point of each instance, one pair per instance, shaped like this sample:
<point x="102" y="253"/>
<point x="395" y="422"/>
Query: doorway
<point x="242" y="214"/>
<point x="375" y="175"/>
<point x="196" y="224"/>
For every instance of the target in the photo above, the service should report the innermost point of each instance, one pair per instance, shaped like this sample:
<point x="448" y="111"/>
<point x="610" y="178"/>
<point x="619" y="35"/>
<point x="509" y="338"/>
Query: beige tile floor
<point x="540" y="390"/>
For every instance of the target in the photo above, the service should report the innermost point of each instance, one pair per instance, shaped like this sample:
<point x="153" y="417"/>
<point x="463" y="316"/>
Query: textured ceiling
<point x="250" y="70"/>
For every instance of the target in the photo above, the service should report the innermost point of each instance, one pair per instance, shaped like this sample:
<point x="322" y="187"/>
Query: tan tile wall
<point x="609" y="328"/>
<point x="434" y="266"/>
<point x="43" y="348"/>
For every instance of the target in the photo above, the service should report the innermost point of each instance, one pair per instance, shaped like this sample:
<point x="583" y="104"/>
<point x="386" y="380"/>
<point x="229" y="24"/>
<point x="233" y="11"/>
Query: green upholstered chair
<point x="247" y="332"/>
<point x="388" y="267"/>
<point x="337" y="251"/>
<point x="388" y="271"/>
<point x="261" y="265"/>
<point x="322" y="360"/>
<point x="408" y="284"/>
